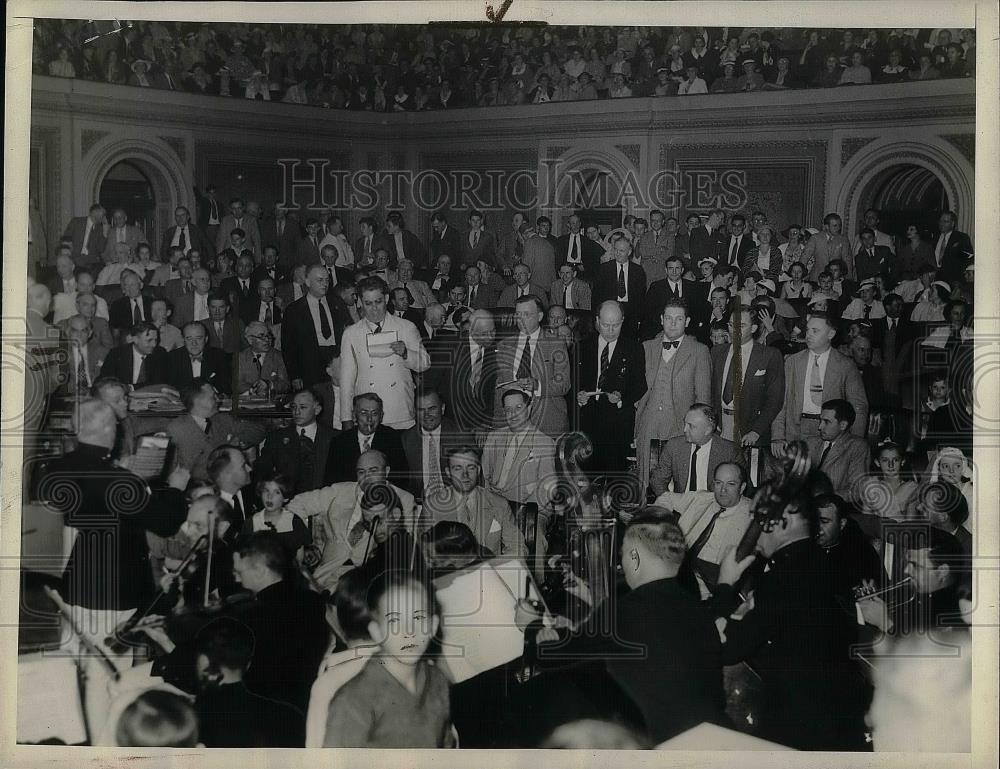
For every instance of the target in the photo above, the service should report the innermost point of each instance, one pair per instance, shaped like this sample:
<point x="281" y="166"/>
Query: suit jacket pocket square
<point x="760" y="372"/>
<point x="495" y="526"/>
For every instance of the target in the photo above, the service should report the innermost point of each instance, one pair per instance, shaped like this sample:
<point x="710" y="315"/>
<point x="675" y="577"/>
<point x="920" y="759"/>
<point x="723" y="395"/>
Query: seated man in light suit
<point x="465" y="501"/>
<point x="713" y="521"/>
<point x="421" y="294"/>
<point x="261" y="369"/>
<point x="842" y="456"/>
<point x="521" y="286"/>
<point x="517" y="457"/>
<point x="348" y="528"/>
<point x="700" y="442"/>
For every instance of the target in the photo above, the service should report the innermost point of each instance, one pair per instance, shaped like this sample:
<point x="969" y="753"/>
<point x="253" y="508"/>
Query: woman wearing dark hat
<point x="727" y="82"/>
<point x="782" y="77"/>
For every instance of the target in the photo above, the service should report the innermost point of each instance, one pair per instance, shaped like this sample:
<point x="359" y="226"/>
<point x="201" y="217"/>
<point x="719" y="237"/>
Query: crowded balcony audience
<point x="396" y="68"/>
<point x="357" y="422"/>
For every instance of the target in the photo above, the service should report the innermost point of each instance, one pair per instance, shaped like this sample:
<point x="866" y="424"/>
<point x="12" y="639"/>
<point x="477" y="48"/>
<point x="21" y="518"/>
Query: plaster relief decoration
<point x="850" y="147"/>
<point x="88" y="138"/>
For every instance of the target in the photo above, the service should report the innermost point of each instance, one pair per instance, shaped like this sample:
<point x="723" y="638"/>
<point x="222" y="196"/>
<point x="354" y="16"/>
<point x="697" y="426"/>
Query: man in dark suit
<point x="184" y="235"/>
<point x="263" y="307"/>
<point x="613" y="367"/>
<point x="689" y="461"/>
<point x="269" y="268"/>
<point x="308" y="248"/>
<point x="311" y="330"/>
<point x="952" y="250"/>
<point x="238" y="219"/>
<point x="281" y="233"/>
<point x="197" y="360"/>
<point x="139" y="362"/>
<point x="88" y="237"/>
<point x="84" y="357"/>
<point x="478" y="244"/>
<point x="674" y="286"/>
<point x="225" y="330"/>
<point x="240" y="287"/>
<point x="623" y="281"/>
<point x="468" y="385"/>
<point x="797" y="637"/>
<point x="664" y="651"/>
<point x="400" y="242"/>
<point x="708" y="240"/>
<point x="872" y="261"/>
<point x="738" y="244"/>
<point x="300" y="451"/>
<point x="445" y="240"/>
<point x="439" y="279"/>
<point x="760" y="381"/>
<point x="426" y="444"/>
<point x="478" y="296"/>
<point x="210" y="211"/>
<point x="575" y="247"/>
<point x="368" y="433"/>
<point x="64" y="281"/>
<point x="364" y="247"/>
<point x="130" y="308"/>
<point x="894" y="332"/>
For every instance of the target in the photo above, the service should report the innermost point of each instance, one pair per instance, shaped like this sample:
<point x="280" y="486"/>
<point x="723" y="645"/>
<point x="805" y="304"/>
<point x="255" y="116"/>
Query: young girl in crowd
<point x="274" y="492"/>
<point x="400" y="699"/>
<point x="796" y="287"/>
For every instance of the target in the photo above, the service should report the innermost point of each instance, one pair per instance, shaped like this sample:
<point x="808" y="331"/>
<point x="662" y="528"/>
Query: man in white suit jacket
<point x="371" y="361"/>
<point x="345" y="525"/>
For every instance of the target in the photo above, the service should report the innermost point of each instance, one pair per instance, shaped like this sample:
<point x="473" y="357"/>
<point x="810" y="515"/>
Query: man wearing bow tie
<point x="381" y="266"/>
<point x="197" y="360"/>
<point x="269" y="268"/>
<point x="678" y="373"/>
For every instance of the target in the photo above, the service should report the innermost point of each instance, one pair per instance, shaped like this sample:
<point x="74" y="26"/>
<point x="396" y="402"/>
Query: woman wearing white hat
<point x="930" y="309"/>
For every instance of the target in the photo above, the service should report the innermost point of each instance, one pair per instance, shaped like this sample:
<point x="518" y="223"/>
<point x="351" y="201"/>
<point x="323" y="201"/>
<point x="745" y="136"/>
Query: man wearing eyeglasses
<point x="260" y="368"/>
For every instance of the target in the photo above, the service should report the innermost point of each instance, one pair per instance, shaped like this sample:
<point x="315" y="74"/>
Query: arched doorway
<point x="128" y="186"/>
<point x="594" y="194"/>
<point x="907" y="194"/>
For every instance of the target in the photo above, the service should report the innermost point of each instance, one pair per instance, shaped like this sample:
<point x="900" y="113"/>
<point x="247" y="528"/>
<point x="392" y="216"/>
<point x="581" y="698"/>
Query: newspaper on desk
<point x="380" y="345"/>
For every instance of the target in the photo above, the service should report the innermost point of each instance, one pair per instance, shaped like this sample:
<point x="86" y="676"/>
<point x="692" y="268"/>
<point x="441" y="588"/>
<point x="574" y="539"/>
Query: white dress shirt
<point x="398" y="237"/>
<point x="808" y="407"/>
<point x="700" y="469"/>
<point x="196" y="368"/>
<point x="200" y="306"/>
<point x="574" y="251"/>
<point x="519" y="350"/>
<point x="264" y="307"/>
<point x="432" y="459"/>
<point x="80" y="353"/>
<point x="745" y="349"/>
<point x="309" y="429"/>
<point x="361" y="441"/>
<point x="619" y="266"/>
<point x="177" y="238"/>
<point x="665" y="354"/>
<point x="601" y="344"/>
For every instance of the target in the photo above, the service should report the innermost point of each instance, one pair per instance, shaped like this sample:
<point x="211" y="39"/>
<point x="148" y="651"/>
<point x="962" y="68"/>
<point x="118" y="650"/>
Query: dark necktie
<point x="524" y="367"/>
<point x="472" y="295"/>
<point x="565" y="296"/>
<point x="826" y="451"/>
<point x="140" y="380"/>
<point x="238" y="508"/>
<point x="621" y="281"/>
<point x="268" y="315"/>
<point x="703" y="538"/>
<point x="693" y="475"/>
<point x="187" y="286"/>
<point x="409" y="296"/>
<point x="378" y="328"/>
<point x="671" y="345"/>
<point x="868" y="312"/>
<point x="732" y="251"/>
<point x="605" y="359"/>
<point x="333" y="276"/>
<point x="356" y="533"/>
<point x="136" y="312"/>
<point x="475" y="239"/>
<point x="182" y="241"/>
<point x="676" y="290"/>
<point x="257" y="363"/>
<point x="324" y="321"/>
<point x="307" y="463"/>
<point x="208" y="426"/>
<point x="81" y="375"/>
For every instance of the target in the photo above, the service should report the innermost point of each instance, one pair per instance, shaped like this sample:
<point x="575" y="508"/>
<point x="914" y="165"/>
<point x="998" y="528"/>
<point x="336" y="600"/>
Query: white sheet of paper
<point x="49" y="702"/>
<point x="379" y="344"/>
<point x="478" y="631"/>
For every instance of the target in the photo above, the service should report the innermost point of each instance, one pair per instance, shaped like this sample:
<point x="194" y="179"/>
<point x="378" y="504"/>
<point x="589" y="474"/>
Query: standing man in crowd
<point x="379" y="352"/>
<point x="311" y="329"/>
<point x="87" y="236"/>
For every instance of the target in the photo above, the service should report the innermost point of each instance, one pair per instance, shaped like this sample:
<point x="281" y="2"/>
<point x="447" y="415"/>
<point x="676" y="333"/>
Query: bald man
<point x="107" y="576"/>
<point x="311" y="330"/>
<point x="345" y="526"/>
<point x="469" y="386"/>
<point x="610" y="380"/>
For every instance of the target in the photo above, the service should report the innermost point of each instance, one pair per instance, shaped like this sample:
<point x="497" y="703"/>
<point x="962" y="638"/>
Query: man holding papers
<point x="378" y="354"/>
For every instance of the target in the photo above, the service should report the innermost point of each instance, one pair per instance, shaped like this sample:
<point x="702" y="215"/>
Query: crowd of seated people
<point x="437" y="383"/>
<point x="392" y="68"/>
